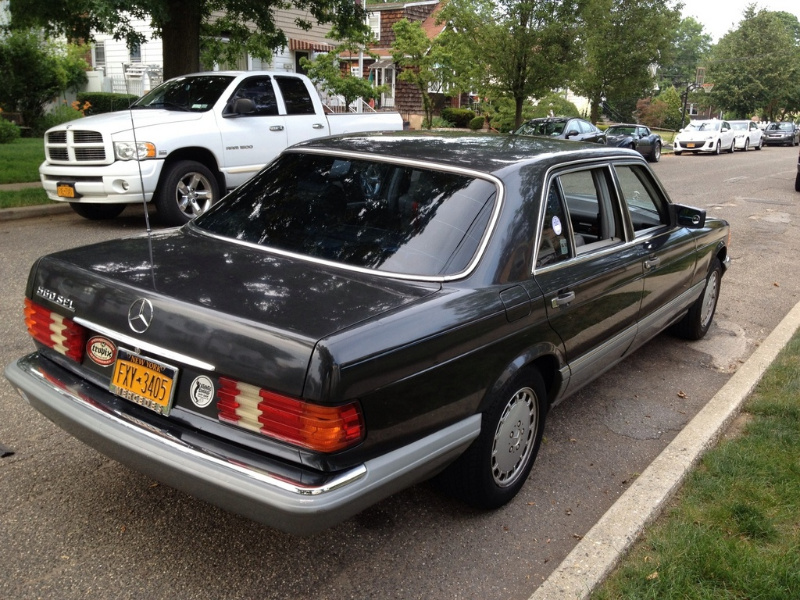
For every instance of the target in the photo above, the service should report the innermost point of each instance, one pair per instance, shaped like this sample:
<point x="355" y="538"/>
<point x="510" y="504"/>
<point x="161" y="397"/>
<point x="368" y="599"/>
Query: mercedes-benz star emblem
<point x="140" y="315"/>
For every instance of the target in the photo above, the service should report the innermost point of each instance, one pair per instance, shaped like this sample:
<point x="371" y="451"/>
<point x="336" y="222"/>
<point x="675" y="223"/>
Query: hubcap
<point x="709" y="299"/>
<point x="194" y="194"/>
<point x="514" y="437"/>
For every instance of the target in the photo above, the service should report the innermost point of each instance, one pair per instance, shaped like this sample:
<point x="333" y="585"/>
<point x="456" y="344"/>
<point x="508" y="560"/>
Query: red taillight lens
<point x="54" y="331"/>
<point x="320" y="428"/>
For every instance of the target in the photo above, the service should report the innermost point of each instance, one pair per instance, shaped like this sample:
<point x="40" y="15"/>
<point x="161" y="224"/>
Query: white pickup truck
<point x="187" y="141"/>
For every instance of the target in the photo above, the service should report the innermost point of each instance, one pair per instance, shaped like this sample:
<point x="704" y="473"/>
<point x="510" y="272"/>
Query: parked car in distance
<point x="365" y="312"/>
<point x="782" y="133"/>
<point x="563" y="128"/>
<point x="636" y="137"/>
<point x="747" y="135"/>
<point x="704" y="136"/>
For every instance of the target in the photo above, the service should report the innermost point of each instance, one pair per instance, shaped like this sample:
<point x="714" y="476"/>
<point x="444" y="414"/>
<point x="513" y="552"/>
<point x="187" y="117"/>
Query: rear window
<point x="363" y="213"/>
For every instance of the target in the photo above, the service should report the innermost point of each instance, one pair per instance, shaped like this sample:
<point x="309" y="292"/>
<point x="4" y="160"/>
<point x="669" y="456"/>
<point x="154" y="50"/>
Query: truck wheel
<point x="187" y="189"/>
<point x="97" y="212"/>
<point x="495" y="467"/>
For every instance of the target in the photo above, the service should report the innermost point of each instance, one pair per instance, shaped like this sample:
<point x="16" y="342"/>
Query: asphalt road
<point x="74" y="524"/>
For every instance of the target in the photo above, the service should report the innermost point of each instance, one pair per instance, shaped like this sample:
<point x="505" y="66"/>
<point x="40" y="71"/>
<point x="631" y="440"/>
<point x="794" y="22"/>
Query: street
<point x="74" y="524"/>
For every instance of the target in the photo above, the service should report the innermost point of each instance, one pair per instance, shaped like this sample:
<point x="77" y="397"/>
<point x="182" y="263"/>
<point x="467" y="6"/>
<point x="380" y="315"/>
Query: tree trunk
<point x="518" y="112"/>
<point x="181" y="38"/>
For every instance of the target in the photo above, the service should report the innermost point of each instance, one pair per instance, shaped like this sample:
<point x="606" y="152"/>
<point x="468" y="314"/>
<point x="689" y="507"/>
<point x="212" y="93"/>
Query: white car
<point x="747" y="135"/>
<point x="705" y="136"/>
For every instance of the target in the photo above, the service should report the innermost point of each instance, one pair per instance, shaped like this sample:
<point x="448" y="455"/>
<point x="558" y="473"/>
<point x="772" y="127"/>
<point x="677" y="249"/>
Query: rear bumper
<point x="252" y="488"/>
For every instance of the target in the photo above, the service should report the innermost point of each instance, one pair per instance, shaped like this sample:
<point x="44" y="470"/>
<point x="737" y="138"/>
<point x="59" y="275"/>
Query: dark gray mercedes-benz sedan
<point x="367" y="312"/>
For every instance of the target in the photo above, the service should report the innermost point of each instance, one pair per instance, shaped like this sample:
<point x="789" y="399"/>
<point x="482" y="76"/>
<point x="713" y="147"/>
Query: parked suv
<point x="705" y="136"/>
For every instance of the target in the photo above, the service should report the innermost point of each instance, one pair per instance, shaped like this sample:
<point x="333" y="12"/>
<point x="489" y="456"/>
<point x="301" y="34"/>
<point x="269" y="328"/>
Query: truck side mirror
<point x="243" y="106"/>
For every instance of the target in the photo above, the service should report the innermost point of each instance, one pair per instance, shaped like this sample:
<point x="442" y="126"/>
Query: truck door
<point x="252" y="134"/>
<point x="304" y="118"/>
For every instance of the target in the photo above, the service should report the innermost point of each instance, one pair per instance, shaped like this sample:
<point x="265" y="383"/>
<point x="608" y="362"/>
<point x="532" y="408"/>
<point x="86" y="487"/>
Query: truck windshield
<point x="193" y="94"/>
<point x="370" y="214"/>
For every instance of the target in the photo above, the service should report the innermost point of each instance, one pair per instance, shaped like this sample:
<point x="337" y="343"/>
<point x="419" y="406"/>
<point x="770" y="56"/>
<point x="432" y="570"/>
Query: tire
<point x="186" y="190"/>
<point x="97" y="212"/>
<point x="697" y="321"/>
<point x="746" y="145"/>
<point x="797" y="183"/>
<point x="677" y="153"/>
<point x="733" y="147"/>
<point x="718" y="149"/>
<point x="495" y="467"/>
<point x="760" y="144"/>
<point x="655" y="154"/>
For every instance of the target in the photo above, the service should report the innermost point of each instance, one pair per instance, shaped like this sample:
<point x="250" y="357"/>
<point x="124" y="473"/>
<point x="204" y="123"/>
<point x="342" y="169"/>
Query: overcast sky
<point x="720" y="16"/>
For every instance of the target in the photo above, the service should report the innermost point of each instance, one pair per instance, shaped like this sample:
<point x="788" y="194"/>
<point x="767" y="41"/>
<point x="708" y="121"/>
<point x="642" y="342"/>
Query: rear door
<point x="592" y="280"/>
<point x="304" y="117"/>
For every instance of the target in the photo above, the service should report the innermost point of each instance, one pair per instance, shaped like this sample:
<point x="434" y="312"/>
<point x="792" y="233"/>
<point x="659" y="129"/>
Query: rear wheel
<point x="655" y="155"/>
<point x="746" y="144"/>
<point x="495" y="467"/>
<point x="698" y="320"/>
<point x="187" y="189"/>
<point x="97" y="212"/>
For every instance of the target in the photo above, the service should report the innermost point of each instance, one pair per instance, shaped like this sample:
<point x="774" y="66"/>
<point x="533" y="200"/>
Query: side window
<point x="595" y="218"/>
<point x="295" y="96"/>
<point x="259" y="91"/>
<point x="554" y="242"/>
<point x="645" y="204"/>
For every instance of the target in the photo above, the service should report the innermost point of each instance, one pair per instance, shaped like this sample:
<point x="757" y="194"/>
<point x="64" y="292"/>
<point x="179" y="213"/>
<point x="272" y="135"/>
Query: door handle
<point x="651" y="263"/>
<point x="276" y="127"/>
<point x="562" y="299"/>
<point x="318" y="126"/>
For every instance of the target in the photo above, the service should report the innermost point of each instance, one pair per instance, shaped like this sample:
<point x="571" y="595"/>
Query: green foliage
<point x="33" y="72"/>
<point x="504" y="114"/>
<point x="477" y="123"/>
<point x="438" y="123"/>
<point x="757" y="66"/>
<point x="459" y="117"/>
<point x="688" y="50"/>
<point x="326" y="73"/>
<point x="60" y="114"/>
<point x="663" y="111"/>
<point x="104" y="102"/>
<point x="417" y="57"/>
<point x="555" y="105"/>
<point x="8" y="131"/>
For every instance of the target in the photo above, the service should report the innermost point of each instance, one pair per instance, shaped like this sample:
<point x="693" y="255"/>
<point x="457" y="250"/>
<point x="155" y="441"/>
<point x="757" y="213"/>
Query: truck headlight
<point x="131" y="151"/>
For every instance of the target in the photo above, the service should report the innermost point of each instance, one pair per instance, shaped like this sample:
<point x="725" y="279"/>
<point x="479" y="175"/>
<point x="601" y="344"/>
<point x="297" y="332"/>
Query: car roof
<point x="486" y="153"/>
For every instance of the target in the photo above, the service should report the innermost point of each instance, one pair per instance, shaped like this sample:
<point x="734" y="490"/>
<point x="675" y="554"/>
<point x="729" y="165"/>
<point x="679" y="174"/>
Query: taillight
<point x="54" y="331"/>
<point x="320" y="428"/>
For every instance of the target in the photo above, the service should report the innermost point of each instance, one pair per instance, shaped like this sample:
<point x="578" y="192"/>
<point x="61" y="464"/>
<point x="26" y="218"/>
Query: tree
<point x="417" y="56"/>
<point x="663" y="111"/>
<point x="757" y="66"/>
<point x="327" y="74"/>
<point x="226" y="28"/>
<point x="689" y="50"/>
<point x="624" y="39"/>
<point x="33" y="72"/>
<point x="523" y="48"/>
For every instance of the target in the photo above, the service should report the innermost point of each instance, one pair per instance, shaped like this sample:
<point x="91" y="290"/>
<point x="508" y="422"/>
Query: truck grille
<point x="75" y="146"/>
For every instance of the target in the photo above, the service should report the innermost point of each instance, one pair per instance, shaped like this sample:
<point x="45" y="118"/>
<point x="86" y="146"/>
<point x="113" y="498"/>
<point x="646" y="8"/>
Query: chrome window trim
<point x="487" y="234"/>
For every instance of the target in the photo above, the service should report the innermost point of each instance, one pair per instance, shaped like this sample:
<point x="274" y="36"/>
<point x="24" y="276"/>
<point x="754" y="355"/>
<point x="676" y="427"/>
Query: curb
<point x="27" y="212"/>
<point x="602" y="548"/>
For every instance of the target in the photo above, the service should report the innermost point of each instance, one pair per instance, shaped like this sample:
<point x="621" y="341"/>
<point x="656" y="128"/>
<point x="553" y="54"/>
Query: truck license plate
<point x="145" y="381"/>
<point x="65" y="190"/>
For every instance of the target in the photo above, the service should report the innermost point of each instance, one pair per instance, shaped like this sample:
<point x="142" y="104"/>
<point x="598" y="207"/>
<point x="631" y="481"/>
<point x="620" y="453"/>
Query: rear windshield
<point x="369" y="214"/>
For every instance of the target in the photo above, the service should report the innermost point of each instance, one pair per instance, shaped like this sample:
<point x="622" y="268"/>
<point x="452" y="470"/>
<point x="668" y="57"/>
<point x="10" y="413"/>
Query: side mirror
<point x="242" y="106"/>
<point x="688" y="216"/>
<point x="572" y="132"/>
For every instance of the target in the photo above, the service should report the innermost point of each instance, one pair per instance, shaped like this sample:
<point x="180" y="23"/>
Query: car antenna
<point x="136" y="153"/>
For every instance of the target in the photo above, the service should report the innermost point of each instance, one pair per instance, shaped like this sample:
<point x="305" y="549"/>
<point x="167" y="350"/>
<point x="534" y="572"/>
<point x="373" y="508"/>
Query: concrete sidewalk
<point x="601" y="549"/>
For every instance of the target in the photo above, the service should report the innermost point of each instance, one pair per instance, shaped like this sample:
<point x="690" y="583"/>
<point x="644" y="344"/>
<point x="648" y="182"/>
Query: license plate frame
<point x="66" y="189"/>
<point x="146" y="381"/>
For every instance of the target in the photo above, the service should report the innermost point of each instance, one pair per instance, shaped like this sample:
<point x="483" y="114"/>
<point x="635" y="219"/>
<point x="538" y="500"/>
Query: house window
<point x="136" y="53"/>
<point x="100" y="54"/>
<point x="355" y="71"/>
<point x="374" y="22"/>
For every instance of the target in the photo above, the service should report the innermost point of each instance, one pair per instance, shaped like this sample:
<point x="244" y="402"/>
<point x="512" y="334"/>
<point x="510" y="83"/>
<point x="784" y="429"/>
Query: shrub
<point x="437" y="123"/>
<point x="476" y="123"/>
<point x="459" y="117"/>
<point x="8" y="131"/>
<point x="60" y="114"/>
<point x="555" y="105"/>
<point x="105" y="102"/>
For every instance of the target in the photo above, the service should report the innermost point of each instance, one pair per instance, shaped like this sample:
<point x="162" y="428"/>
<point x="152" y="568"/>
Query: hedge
<point x="460" y="117"/>
<point x="104" y="102"/>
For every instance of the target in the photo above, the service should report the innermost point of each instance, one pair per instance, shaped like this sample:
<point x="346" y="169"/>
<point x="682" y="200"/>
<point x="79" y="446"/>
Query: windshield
<point x="703" y="126"/>
<point x="376" y="215"/>
<point x="194" y="94"/>
<point x="781" y="127"/>
<point x="620" y="130"/>
<point x="549" y="128"/>
<point x="738" y="126"/>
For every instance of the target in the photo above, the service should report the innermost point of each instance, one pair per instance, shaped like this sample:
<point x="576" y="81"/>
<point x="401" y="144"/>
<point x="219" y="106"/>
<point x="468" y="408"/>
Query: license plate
<point x="145" y="381"/>
<point x="65" y="190"/>
<point x="690" y="145"/>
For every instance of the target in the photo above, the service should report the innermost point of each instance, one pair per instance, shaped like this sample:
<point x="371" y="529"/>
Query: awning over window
<point x="309" y="46"/>
<point x="383" y="63"/>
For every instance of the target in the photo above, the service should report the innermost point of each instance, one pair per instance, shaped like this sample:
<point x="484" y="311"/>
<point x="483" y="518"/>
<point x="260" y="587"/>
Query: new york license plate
<point x="65" y="190"/>
<point x="145" y="381"/>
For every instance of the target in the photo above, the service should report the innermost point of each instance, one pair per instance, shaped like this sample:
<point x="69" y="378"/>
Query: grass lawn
<point x="21" y="159"/>
<point x="29" y="197"/>
<point x="733" y="532"/>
